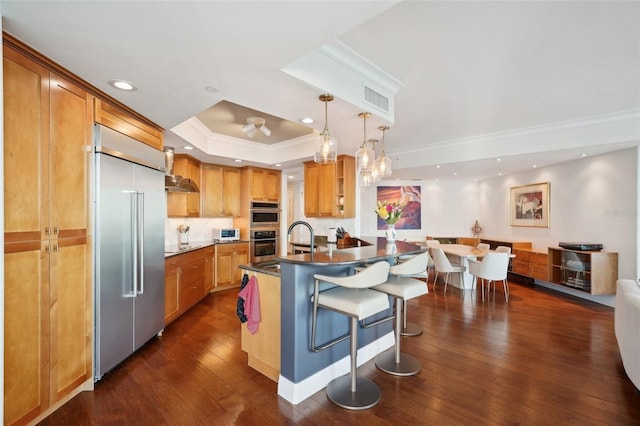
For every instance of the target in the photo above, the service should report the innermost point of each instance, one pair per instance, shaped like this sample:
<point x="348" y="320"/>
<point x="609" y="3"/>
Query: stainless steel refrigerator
<point x="130" y="205"/>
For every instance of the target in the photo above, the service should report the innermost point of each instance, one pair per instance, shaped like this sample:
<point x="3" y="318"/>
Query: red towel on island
<point x="251" y="304"/>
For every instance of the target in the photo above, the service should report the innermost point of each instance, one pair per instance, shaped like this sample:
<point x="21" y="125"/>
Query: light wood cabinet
<point x="595" y="272"/>
<point x="110" y="116"/>
<point x="531" y="263"/>
<point x="172" y="272"/>
<point x="185" y="204"/>
<point x="329" y="189"/>
<point x="262" y="184"/>
<point x="229" y="257"/>
<point x="47" y="281"/>
<point x="220" y="191"/>
<point x="263" y="347"/>
<point x="209" y="269"/>
<point x="184" y="282"/>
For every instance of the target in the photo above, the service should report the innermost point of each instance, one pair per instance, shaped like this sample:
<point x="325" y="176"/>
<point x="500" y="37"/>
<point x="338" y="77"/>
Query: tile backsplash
<point x="200" y="229"/>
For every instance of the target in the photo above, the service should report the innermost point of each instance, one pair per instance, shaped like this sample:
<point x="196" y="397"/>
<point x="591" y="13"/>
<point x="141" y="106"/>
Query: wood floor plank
<point x="542" y="358"/>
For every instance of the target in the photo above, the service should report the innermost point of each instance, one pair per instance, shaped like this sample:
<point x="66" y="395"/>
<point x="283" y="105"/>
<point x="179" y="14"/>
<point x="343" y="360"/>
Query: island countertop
<point x="378" y="250"/>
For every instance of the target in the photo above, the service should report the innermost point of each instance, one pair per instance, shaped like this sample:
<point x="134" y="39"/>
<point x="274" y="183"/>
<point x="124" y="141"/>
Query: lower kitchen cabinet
<point x="184" y="283"/>
<point x="209" y="269"/>
<point x="229" y="257"/>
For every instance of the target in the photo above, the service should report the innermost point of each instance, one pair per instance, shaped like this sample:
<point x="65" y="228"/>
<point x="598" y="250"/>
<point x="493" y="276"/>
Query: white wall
<point x="448" y="209"/>
<point x="593" y="199"/>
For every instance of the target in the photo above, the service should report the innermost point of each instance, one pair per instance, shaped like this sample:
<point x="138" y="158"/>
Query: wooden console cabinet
<point x="595" y="272"/>
<point x="530" y="263"/>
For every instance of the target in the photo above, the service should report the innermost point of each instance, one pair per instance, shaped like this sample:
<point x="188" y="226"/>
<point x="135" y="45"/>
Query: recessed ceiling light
<point x="499" y="173"/>
<point x="307" y="120"/>
<point x="189" y="147"/>
<point x="237" y="160"/>
<point x="290" y="176"/>
<point x="498" y="159"/>
<point x="455" y="173"/>
<point x="278" y="165"/>
<point x="534" y="166"/>
<point x="123" y="85"/>
<point x="438" y="166"/>
<point x="583" y="155"/>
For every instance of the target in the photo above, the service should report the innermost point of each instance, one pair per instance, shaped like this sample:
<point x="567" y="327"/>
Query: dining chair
<point x="444" y="265"/>
<point x="493" y="267"/>
<point x="431" y="264"/>
<point x="503" y="249"/>
<point x="483" y="246"/>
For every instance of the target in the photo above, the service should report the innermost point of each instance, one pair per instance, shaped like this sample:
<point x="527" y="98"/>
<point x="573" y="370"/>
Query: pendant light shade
<point x="326" y="146"/>
<point x="365" y="156"/>
<point x="383" y="162"/>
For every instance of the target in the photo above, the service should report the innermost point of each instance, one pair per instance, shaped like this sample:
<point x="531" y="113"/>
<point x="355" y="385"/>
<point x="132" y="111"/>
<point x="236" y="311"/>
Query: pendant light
<point x="326" y="147"/>
<point x="373" y="170"/>
<point x="383" y="163"/>
<point x="365" y="156"/>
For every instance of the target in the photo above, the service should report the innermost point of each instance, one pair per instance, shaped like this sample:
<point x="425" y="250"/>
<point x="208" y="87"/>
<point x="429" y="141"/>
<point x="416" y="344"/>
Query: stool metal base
<point x="411" y="330"/>
<point x="408" y="365"/>
<point x="367" y="393"/>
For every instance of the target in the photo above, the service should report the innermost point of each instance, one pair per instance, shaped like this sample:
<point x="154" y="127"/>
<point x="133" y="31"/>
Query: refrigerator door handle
<point x="134" y="244"/>
<point x="140" y="237"/>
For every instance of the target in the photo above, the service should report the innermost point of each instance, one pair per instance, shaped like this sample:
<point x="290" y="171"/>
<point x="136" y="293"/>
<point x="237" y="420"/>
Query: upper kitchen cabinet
<point x="47" y="252"/>
<point x="262" y="184"/>
<point x="185" y="204"/>
<point x="220" y="191"/>
<point x="329" y="189"/>
<point x="125" y="123"/>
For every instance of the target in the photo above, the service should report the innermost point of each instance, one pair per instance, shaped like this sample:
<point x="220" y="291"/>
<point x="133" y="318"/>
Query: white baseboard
<point x="295" y="393"/>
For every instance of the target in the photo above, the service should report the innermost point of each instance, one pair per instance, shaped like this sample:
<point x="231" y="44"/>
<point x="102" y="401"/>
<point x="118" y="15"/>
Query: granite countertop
<point x="175" y="249"/>
<point x="378" y="250"/>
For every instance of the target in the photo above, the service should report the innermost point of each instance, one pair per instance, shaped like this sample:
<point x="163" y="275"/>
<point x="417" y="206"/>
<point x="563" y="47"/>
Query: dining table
<point x="461" y="254"/>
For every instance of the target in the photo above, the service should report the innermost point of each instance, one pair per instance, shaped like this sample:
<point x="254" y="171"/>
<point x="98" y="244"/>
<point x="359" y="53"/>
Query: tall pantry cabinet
<point x="48" y="291"/>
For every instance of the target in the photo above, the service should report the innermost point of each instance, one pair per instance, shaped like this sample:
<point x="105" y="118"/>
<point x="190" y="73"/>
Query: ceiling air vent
<point x="376" y="99"/>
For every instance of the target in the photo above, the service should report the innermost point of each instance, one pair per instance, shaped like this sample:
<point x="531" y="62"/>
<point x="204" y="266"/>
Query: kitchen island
<point x="302" y="371"/>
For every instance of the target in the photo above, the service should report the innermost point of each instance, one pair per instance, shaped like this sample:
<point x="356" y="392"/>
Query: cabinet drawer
<point x="192" y="271"/>
<point x="191" y="293"/>
<point x="521" y="255"/>
<point x="539" y="271"/>
<point x="538" y="258"/>
<point x="520" y="266"/>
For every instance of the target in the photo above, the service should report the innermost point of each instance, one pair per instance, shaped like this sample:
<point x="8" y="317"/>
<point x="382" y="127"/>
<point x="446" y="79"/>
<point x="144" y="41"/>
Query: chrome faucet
<point x="301" y="222"/>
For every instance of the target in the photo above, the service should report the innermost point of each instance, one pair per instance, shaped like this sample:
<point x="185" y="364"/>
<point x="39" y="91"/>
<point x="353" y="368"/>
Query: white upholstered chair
<point x="503" y="249"/>
<point x="354" y="298"/>
<point x="483" y="246"/>
<point x="493" y="267"/>
<point x="444" y="266"/>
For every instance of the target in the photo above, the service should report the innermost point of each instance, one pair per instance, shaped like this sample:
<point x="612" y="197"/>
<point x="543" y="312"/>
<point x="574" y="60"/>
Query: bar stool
<point x="353" y="298"/>
<point x="402" y="287"/>
<point x="411" y="329"/>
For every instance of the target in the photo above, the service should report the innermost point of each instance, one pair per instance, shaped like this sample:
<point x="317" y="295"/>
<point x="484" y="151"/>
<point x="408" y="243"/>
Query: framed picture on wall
<point x="407" y="196"/>
<point x="529" y="205"/>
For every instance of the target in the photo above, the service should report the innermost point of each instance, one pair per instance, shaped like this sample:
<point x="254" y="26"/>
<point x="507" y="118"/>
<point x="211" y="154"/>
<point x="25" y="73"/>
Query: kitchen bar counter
<point x="304" y="372"/>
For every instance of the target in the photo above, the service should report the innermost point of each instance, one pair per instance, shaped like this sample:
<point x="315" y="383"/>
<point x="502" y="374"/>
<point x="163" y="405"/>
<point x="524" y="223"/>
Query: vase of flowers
<point x="390" y="213"/>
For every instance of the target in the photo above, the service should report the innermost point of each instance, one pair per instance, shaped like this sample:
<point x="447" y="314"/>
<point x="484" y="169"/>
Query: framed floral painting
<point x="406" y="196"/>
<point x="530" y="205"/>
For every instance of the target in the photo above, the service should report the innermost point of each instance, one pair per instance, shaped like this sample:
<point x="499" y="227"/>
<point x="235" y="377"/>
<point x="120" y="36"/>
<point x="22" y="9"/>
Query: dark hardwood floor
<point x="542" y="359"/>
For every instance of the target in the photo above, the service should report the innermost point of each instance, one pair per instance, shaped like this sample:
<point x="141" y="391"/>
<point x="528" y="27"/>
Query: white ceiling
<point x="531" y="82"/>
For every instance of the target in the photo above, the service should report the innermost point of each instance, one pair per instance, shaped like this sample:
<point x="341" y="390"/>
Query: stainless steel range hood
<point x="174" y="183"/>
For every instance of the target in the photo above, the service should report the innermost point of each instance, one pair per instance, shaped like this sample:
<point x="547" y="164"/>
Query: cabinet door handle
<point x="56" y="230"/>
<point x="47" y="230"/>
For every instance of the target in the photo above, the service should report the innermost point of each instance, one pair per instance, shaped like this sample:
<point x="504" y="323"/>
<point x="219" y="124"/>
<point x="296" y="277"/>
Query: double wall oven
<point x="264" y="227"/>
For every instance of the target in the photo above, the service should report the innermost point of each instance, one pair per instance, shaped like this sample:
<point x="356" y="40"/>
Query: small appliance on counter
<point x="226" y="234"/>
